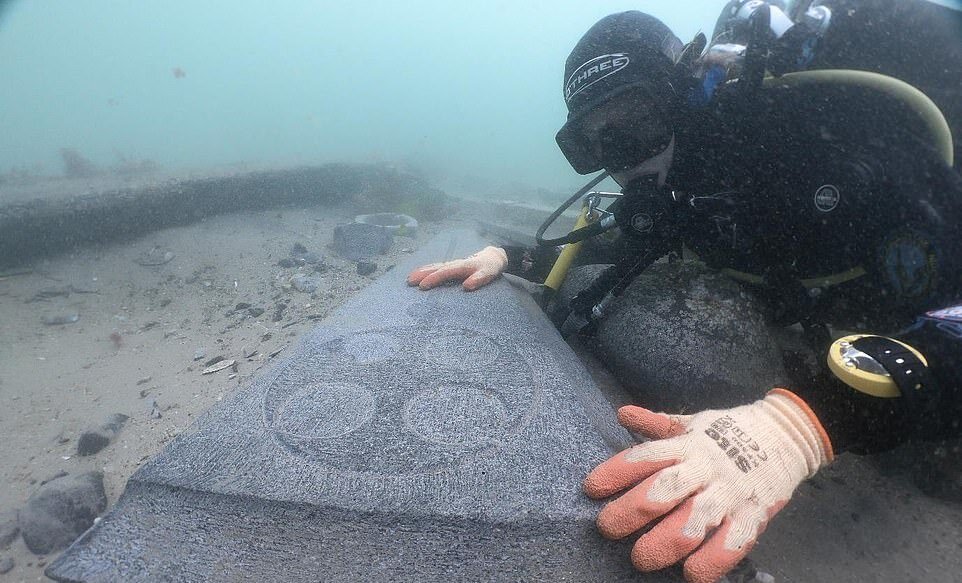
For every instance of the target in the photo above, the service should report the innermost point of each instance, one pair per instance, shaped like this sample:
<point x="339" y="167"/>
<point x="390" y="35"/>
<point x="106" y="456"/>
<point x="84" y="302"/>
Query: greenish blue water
<point x="470" y="92"/>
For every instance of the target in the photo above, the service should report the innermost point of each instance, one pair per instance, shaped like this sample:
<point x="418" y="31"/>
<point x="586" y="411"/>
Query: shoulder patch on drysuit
<point x="910" y="265"/>
<point x="950" y="314"/>
<point x="948" y="321"/>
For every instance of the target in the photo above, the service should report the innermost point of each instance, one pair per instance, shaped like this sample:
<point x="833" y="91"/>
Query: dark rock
<point x="241" y="306"/>
<point x="287" y="262"/>
<point x="279" y="312"/>
<point x="684" y="337"/>
<point x="366" y="267"/>
<point x="94" y="440"/>
<point x="62" y="510"/>
<point x="357" y="241"/>
<point x="255" y="312"/>
<point x="8" y="528"/>
<point x="6" y="565"/>
<point x="298" y="249"/>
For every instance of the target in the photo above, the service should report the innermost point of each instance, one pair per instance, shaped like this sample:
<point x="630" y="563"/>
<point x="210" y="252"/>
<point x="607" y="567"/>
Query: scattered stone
<point x="155" y="256"/>
<point x="61" y="319"/>
<point x="199" y="354"/>
<point x="219" y="366"/>
<point x="153" y="409"/>
<point x="214" y="361"/>
<point x="286" y="263"/>
<point x="249" y="353"/>
<point x="357" y="241"/>
<point x="62" y="510"/>
<point x="266" y="336"/>
<point x="298" y="249"/>
<point x="6" y="565"/>
<point x="148" y="326"/>
<point x="275" y="352"/>
<point x="241" y="306"/>
<point x="144" y="380"/>
<point x="255" y="312"/>
<point x="144" y="393"/>
<point x="93" y="440"/>
<point x="165" y="302"/>
<point x="279" y="312"/>
<point x="366" y="267"/>
<point x="305" y="283"/>
<point x="9" y="529"/>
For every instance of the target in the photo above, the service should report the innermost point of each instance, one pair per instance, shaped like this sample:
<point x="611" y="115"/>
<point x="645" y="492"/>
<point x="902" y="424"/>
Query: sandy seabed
<point x="139" y="328"/>
<point x="138" y="331"/>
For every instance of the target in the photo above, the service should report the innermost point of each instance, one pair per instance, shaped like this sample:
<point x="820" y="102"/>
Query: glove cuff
<point x="805" y="423"/>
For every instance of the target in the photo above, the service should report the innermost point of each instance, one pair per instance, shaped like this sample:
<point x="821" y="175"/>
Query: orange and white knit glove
<point x="476" y="271"/>
<point x="717" y="474"/>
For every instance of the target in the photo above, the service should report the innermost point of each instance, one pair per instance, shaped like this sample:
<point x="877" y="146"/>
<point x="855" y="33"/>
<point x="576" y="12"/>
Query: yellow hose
<point x="560" y="268"/>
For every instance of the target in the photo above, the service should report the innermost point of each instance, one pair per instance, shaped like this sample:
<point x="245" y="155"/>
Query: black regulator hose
<point x="578" y="234"/>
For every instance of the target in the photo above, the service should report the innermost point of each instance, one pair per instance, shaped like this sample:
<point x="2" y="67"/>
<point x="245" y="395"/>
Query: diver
<point x="829" y="195"/>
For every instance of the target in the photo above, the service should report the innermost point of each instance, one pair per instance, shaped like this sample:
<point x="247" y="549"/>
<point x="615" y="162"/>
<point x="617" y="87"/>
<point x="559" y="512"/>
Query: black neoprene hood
<point x="622" y="51"/>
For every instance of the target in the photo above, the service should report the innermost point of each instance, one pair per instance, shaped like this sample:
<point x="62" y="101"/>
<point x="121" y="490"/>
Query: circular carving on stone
<point x="403" y="400"/>
<point x="456" y="415"/>
<point x="370" y="348"/>
<point x="325" y="410"/>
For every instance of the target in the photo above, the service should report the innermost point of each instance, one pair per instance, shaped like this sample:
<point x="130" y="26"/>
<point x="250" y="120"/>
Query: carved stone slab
<point x="412" y="436"/>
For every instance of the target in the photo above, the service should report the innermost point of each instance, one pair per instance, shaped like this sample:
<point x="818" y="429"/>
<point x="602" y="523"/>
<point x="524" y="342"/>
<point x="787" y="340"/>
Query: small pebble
<point x="305" y="283"/>
<point x="366" y="267"/>
<point x="199" y="354"/>
<point x="61" y="319"/>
